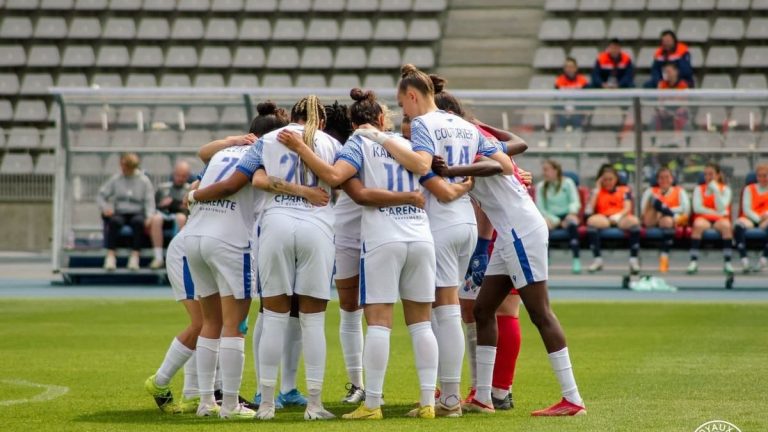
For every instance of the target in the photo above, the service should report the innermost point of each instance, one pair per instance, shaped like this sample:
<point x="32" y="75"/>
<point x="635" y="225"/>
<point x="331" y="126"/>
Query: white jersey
<point x="379" y="170"/>
<point x="349" y="217"/>
<point x="277" y="160"/>
<point x="506" y="202"/>
<point x="229" y="219"/>
<point x="457" y="141"/>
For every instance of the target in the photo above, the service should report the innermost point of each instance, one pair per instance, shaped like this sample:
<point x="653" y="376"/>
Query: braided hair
<point x="312" y="113"/>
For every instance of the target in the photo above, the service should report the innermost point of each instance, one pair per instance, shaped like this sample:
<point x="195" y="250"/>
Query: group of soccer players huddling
<point x="411" y="211"/>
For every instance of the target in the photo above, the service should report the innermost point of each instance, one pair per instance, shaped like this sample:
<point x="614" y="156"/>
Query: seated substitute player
<point x="754" y="204"/>
<point x="127" y="198"/>
<point x="557" y="197"/>
<point x="611" y="206"/>
<point x="169" y="199"/>
<point x="712" y="210"/>
<point x="665" y="206"/>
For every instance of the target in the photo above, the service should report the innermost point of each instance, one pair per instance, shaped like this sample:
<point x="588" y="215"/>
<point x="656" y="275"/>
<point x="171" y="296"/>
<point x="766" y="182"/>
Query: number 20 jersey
<point x="379" y="170"/>
<point x="228" y="219"/>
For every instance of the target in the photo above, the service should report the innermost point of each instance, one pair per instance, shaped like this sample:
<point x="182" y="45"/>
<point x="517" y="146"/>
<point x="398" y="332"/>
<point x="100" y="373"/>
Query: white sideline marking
<point x="51" y="392"/>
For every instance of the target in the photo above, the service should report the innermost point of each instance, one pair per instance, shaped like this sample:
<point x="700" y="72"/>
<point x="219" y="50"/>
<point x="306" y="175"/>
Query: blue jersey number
<point x="293" y="161"/>
<point x="399" y="172"/>
<point x="231" y="162"/>
<point x="463" y="156"/>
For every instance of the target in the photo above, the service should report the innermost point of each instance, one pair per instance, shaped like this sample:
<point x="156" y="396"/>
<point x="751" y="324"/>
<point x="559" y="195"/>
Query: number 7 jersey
<point x="229" y="219"/>
<point x="379" y="170"/>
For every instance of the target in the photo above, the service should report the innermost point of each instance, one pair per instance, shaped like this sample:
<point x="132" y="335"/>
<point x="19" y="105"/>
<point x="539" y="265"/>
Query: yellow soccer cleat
<point x="364" y="413"/>
<point x="162" y="394"/>
<point x="424" y="412"/>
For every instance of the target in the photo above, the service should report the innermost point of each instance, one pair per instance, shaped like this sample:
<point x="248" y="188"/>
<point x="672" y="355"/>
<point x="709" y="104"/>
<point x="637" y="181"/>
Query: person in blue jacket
<point x="671" y="51"/>
<point x="613" y="68"/>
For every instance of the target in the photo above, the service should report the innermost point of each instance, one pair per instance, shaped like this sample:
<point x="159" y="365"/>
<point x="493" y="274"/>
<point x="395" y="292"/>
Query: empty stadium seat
<point x="624" y="28"/>
<point x="195" y="138"/>
<point x="663" y="5"/>
<point x="751" y="81"/>
<point x="728" y="29"/>
<point x="78" y="56"/>
<point x="316" y="58"/>
<point x="125" y="5"/>
<point x="589" y="29"/>
<point x="283" y="58"/>
<point x="167" y="114"/>
<point x="716" y="115"/>
<point x="555" y="30"/>
<point x="328" y="5"/>
<point x="208" y="80"/>
<point x="202" y="115"/>
<point x="429" y="5"/>
<point x="193" y="5"/>
<point x="72" y="79"/>
<point x="288" y="29"/>
<point x="91" y="5"/>
<point x="384" y="57"/>
<point x="147" y="57"/>
<point x="345" y="81"/>
<point x="363" y="5"/>
<point x="294" y="5"/>
<point x="153" y="29"/>
<point x="698" y="5"/>
<point x="311" y="80"/>
<point x="356" y="29"/>
<point x="594" y="5"/>
<point x="697" y="56"/>
<point x="722" y="56"/>
<point x="243" y="80"/>
<point x="215" y="57"/>
<point x="50" y="27"/>
<point x="187" y="29"/>
<point x="629" y="5"/>
<point x="175" y="80"/>
<point x="549" y="57"/>
<point x="757" y="28"/>
<point x="141" y="80"/>
<point x="156" y="164"/>
<point x="584" y="56"/>
<point x="46" y="164"/>
<point x="84" y="28"/>
<point x="36" y="83"/>
<point x="607" y="117"/>
<point x="119" y="28"/>
<point x="424" y="30"/>
<point x="107" y="80"/>
<point x="389" y="29"/>
<point x="541" y="82"/>
<point x="95" y="116"/>
<point x="260" y="5"/>
<point x="705" y="140"/>
<point x="221" y="29"/>
<point x="14" y="163"/>
<point x="30" y="110"/>
<point x="756" y="57"/>
<point x="113" y="56"/>
<point x="15" y="28"/>
<point x="9" y="83"/>
<point x="226" y="5"/>
<point x="276" y="80"/>
<point x="600" y="139"/>
<point x="396" y="5"/>
<point x="249" y="57"/>
<point x="181" y="57"/>
<point x="86" y="164"/>
<point x="734" y="5"/>
<point x="561" y="5"/>
<point x="255" y="30"/>
<point x="127" y="139"/>
<point x="43" y="56"/>
<point x="234" y="115"/>
<point x="654" y="26"/>
<point x="92" y="138"/>
<point x="566" y="140"/>
<point x="163" y="139"/>
<point x="693" y="30"/>
<point x="378" y="81"/>
<point x="350" y="58"/>
<point x="421" y="57"/>
<point x="57" y="4"/>
<point x="6" y="111"/>
<point x="23" y="138"/>
<point x="323" y="30"/>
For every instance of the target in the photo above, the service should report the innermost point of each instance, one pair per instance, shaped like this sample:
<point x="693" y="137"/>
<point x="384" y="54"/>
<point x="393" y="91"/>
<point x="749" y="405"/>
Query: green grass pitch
<point x="640" y="367"/>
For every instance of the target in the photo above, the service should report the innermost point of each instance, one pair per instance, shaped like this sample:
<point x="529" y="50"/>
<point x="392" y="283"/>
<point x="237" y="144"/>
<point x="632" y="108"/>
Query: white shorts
<point x="177" y="268"/>
<point x="453" y="250"/>
<point x="523" y="259"/>
<point x="219" y="267"/>
<point x="295" y="257"/>
<point x="347" y="262"/>
<point x="407" y="268"/>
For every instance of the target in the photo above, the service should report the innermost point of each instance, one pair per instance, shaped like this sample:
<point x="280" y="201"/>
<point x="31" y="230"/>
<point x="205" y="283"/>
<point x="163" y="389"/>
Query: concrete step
<point x="485" y="77"/>
<point x="487" y="52"/>
<point x="502" y="22"/>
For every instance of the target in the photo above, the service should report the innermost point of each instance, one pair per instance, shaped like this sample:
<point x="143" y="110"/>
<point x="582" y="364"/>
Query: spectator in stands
<point x="169" y="201"/>
<point x="712" y="210"/>
<point x="671" y="117"/>
<point x="671" y="51"/>
<point x="570" y="79"/>
<point x="611" y="206"/>
<point x="665" y="206"/>
<point x="754" y="206"/>
<point x="613" y="68"/>
<point x="558" y="200"/>
<point x="127" y="198"/>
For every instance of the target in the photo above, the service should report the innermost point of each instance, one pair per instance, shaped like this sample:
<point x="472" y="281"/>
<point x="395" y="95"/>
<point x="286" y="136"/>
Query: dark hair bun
<point x="438" y="82"/>
<point x="408" y="69"/>
<point x="358" y="95"/>
<point x="266" y="108"/>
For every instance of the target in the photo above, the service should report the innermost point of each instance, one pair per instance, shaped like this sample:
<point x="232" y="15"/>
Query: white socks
<point x="207" y="357"/>
<point x="313" y="339"/>
<point x="257" y="330"/>
<point x="158" y="252"/>
<point x="232" y="357"/>
<point x="291" y="354"/>
<point x="450" y="342"/>
<point x="486" y="357"/>
<point x="175" y="358"/>
<point x="471" y="334"/>
<point x="190" y="378"/>
<point x="561" y="364"/>
<point x="351" y="337"/>
<point x="426" y="353"/>
<point x="499" y="393"/>
<point x="375" y="358"/>
<point x="270" y="353"/>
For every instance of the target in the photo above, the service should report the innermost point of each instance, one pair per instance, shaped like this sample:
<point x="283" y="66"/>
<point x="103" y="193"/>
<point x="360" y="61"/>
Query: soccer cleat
<point x="664" y="263"/>
<point x="266" y="412"/>
<point x="576" y="266"/>
<point x="248" y="404"/>
<point x="596" y="265"/>
<point x="745" y="267"/>
<point x="110" y="263"/>
<point x="205" y="410"/>
<point x="241" y="412"/>
<point x="442" y="410"/>
<point x="157" y="264"/>
<point x="728" y="269"/>
<point x="424" y="412"/>
<point x="693" y="268"/>
<point x="186" y="406"/>
<point x="470" y="395"/>
<point x="292" y="398"/>
<point x="257" y="402"/>
<point x="355" y="394"/>
<point x="476" y="406"/>
<point x="364" y="413"/>
<point x="133" y="262"/>
<point x="504" y="404"/>
<point x="562" y="408"/>
<point x="162" y="394"/>
<point x="318" y="413"/>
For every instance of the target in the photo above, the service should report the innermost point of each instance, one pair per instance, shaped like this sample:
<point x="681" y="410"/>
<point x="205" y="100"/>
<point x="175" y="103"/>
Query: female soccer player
<point x="666" y="206"/>
<point x="754" y="204"/>
<point x="453" y="223"/>
<point x="712" y="210"/>
<point x="557" y="197"/>
<point x="611" y="205"/>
